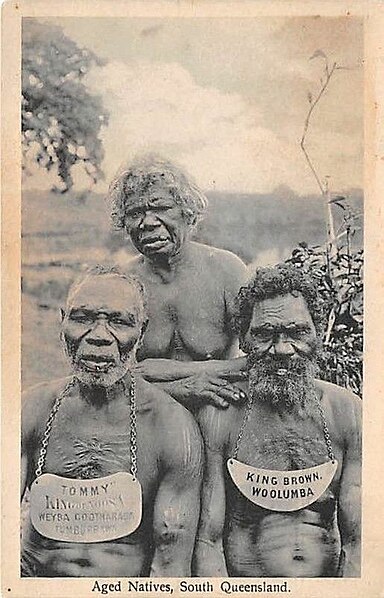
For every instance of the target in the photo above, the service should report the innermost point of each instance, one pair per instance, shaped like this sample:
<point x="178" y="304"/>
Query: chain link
<point x="327" y="436"/>
<point x="48" y="427"/>
<point x="243" y="424"/>
<point x="133" y="427"/>
<point x="52" y="416"/>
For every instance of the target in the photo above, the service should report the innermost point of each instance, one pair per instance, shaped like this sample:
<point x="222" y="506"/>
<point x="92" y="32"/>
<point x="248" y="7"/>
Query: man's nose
<point x="282" y="346"/>
<point x="149" y="220"/>
<point x="99" y="335"/>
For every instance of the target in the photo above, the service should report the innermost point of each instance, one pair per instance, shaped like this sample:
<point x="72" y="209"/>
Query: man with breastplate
<point x="190" y="286"/>
<point x="113" y="462"/>
<point x="281" y="492"/>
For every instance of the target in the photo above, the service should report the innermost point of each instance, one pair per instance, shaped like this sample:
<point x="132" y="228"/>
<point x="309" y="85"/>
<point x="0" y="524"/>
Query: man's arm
<point x="168" y="370"/>
<point x="235" y="275"/>
<point x="36" y="403"/>
<point x="23" y="474"/>
<point x="194" y="383"/>
<point x="349" y="511"/>
<point x="209" y="560"/>
<point x="28" y="424"/>
<point x="177" y="503"/>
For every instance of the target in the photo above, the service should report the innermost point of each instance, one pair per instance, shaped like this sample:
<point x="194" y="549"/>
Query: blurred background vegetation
<point x="340" y="282"/>
<point x="61" y="235"/>
<point x="60" y="119"/>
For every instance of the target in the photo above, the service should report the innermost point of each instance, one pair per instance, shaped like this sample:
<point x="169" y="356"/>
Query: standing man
<point x="281" y="494"/>
<point x="190" y="286"/>
<point x="113" y="463"/>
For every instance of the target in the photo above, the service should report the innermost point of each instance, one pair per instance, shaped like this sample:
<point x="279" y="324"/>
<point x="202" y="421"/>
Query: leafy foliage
<point x="340" y="280"/>
<point x="61" y="120"/>
<point x="337" y="267"/>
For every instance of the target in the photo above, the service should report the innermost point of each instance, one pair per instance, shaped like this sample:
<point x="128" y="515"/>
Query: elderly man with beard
<point x="281" y="493"/>
<point x="190" y="286"/>
<point x="113" y="463"/>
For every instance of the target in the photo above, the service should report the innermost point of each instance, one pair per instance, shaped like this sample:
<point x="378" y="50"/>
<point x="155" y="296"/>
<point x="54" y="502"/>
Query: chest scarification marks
<point x="92" y="457"/>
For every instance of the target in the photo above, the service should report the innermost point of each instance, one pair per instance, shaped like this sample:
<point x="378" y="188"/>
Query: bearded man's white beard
<point x="293" y="390"/>
<point x="102" y="379"/>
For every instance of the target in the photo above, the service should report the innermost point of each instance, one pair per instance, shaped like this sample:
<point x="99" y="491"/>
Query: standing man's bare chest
<point x="189" y="312"/>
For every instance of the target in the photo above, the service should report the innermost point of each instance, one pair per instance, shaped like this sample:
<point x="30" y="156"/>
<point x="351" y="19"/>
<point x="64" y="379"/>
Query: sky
<point x="227" y="98"/>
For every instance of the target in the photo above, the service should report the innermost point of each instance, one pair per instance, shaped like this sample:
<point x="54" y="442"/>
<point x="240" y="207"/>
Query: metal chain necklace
<point x="282" y="490"/>
<point x="247" y="413"/>
<point x="133" y="427"/>
<point x="243" y="424"/>
<point x="55" y="409"/>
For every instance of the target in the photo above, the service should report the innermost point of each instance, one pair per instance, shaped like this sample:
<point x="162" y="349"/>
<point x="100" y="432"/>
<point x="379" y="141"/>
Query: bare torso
<point x="262" y="543"/>
<point x="89" y="442"/>
<point x="189" y="306"/>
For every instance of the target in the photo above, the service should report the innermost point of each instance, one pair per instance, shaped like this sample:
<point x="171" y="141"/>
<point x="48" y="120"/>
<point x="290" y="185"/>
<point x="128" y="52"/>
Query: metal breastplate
<point x="93" y="510"/>
<point x="279" y="490"/>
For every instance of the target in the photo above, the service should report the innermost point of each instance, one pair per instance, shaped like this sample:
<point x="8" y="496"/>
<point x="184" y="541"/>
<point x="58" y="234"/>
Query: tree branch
<point x="328" y="75"/>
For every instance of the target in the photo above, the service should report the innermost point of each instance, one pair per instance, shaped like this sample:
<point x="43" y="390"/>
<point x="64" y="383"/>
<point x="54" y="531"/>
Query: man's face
<point x="101" y="328"/>
<point x="282" y="348"/>
<point x="155" y="223"/>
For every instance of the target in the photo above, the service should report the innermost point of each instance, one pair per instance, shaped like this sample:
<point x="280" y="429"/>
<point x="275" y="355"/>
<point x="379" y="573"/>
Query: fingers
<point x="215" y="399"/>
<point x="229" y="391"/>
<point x="223" y="394"/>
<point x="234" y="376"/>
<point x="207" y="389"/>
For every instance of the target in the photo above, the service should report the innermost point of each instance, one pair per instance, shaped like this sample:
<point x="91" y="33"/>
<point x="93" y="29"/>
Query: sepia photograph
<point x="192" y="197"/>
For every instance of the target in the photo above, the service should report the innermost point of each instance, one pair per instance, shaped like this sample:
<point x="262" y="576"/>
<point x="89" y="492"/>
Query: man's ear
<point x="62" y="314"/>
<point x="190" y="217"/>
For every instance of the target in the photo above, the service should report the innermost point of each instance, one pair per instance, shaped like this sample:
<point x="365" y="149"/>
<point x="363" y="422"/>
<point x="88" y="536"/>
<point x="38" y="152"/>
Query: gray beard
<point x="99" y="379"/>
<point x="102" y="379"/>
<point x="293" y="392"/>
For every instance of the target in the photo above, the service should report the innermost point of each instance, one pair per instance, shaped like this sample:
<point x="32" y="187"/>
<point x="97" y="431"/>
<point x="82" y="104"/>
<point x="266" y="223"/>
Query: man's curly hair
<point x="146" y="170"/>
<point x="271" y="282"/>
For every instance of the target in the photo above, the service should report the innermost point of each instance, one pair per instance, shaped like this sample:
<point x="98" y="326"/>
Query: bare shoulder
<point x="339" y="397"/>
<point x="221" y="258"/>
<point x="177" y="435"/>
<point x="44" y="392"/>
<point x="345" y="406"/>
<point x="215" y="425"/>
<point x="37" y="402"/>
<point x="173" y="424"/>
<point x="228" y="269"/>
<point x="134" y="265"/>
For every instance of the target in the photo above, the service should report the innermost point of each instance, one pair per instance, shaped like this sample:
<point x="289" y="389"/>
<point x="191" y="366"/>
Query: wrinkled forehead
<point x="106" y="292"/>
<point x="281" y="310"/>
<point x="155" y="194"/>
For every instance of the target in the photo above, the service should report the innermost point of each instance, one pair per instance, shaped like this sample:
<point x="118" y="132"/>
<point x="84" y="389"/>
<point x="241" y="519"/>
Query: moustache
<point x="279" y="366"/>
<point x="98" y="360"/>
<point x="282" y="381"/>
